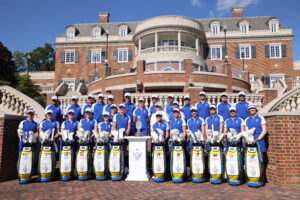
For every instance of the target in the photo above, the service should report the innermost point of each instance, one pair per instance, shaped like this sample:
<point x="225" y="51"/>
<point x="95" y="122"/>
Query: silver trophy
<point x="138" y="126"/>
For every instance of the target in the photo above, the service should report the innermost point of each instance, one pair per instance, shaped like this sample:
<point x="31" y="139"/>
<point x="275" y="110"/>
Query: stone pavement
<point x="93" y="189"/>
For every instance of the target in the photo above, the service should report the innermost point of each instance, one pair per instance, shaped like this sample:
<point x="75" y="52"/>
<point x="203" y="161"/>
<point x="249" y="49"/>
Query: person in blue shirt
<point x="214" y="122"/>
<point x="169" y="107"/>
<point x="105" y="126"/>
<point x="154" y="99"/>
<point x="122" y="121"/>
<point x="141" y="117"/>
<point x="165" y="117"/>
<point x="70" y="125"/>
<point x="89" y="103"/>
<point x="88" y="123"/>
<point x="98" y="108"/>
<point x="203" y="106"/>
<point x="171" y="114"/>
<point x="177" y="123"/>
<point x="160" y="124"/>
<point x="75" y="107"/>
<point x="195" y="124"/>
<point x="113" y="112"/>
<point x="49" y="124"/>
<point x="26" y="126"/>
<point x="187" y="107"/>
<point x="223" y="107"/>
<point x="129" y="111"/>
<point x="242" y="106"/>
<point x="110" y="101"/>
<point x="56" y="109"/>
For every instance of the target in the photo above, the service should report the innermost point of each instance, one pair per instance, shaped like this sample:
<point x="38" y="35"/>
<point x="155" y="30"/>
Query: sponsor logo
<point x="26" y="148"/>
<point x="100" y="147"/>
<point x="115" y="147"/>
<point x="252" y="150"/>
<point x="197" y="148"/>
<point x="232" y="149"/>
<point x="158" y="148"/>
<point x="66" y="147"/>
<point x="215" y="148"/>
<point x="83" y="148"/>
<point x="47" y="148"/>
<point x="177" y="148"/>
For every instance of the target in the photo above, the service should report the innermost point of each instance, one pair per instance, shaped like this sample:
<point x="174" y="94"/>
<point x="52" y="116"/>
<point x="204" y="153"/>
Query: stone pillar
<point x="118" y="96"/>
<point x="245" y="76"/>
<point x="194" y="94"/>
<point x="156" y="41"/>
<point x="179" y="41"/>
<point x="140" y="73"/>
<point x="140" y="45"/>
<point x="197" y="45"/>
<point x="228" y="72"/>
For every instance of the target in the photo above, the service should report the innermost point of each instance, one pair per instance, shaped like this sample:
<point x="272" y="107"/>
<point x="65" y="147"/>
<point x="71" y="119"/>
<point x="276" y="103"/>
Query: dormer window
<point x="215" y="27"/>
<point x="274" y="25"/>
<point x="123" y="31"/>
<point x="244" y="28"/>
<point x="96" y="33"/>
<point x="70" y="34"/>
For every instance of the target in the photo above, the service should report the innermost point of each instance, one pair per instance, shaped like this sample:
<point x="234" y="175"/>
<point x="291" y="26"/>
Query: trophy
<point x="138" y="126"/>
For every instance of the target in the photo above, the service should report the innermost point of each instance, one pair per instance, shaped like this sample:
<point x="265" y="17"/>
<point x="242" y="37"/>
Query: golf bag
<point x="101" y="155"/>
<point x="253" y="160"/>
<point x="116" y="156"/>
<point x="47" y="159"/>
<point x="233" y="164"/>
<point x="66" y="156"/>
<point x="197" y="163"/>
<point x="158" y="156"/>
<point x="83" y="157"/>
<point x="178" y="162"/>
<point x="27" y="156"/>
<point x="215" y="160"/>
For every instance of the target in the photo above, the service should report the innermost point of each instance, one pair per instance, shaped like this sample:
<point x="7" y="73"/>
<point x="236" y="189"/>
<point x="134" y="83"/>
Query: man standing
<point x="129" y="111"/>
<point x="56" y="109"/>
<point x="141" y="117"/>
<point x="165" y="117"/>
<point x="122" y="120"/>
<point x="176" y="105"/>
<point x="214" y="122"/>
<point x="203" y="106"/>
<point x="187" y="107"/>
<point x="169" y="107"/>
<point x="110" y="101"/>
<point x="177" y="123"/>
<point x="154" y="99"/>
<point x="242" y="106"/>
<point x="75" y="107"/>
<point x="89" y="103"/>
<point x="223" y="107"/>
<point x="160" y="124"/>
<point x="88" y="123"/>
<point x="98" y="107"/>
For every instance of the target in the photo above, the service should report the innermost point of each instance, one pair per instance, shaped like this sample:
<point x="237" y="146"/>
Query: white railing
<point x="168" y="49"/>
<point x="296" y="83"/>
<point x="46" y="88"/>
<point x="148" y="50"/>
<point x="16" y="103"/>
<point x="188" y="49"/>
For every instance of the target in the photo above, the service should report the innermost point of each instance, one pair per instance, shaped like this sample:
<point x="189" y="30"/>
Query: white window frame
<point x="70" y="34"/>
<point x="274" y="77"/>
<point x="96" y="33"/>
<point x="274" y="26"/>
<point x="70" y="52"/>
<point x="98" y="54"/>
<point x="215" y="29"/>
<point x="123" y="32"/>
<point x="120" y="58"/>
<point x="244" y="28"/>
<point x="71" y="84"/>
<point x="273" y="47"/>
<point x="215" y="57"/>
<point x="298" y="78"/>
<point x="249" y="56"/>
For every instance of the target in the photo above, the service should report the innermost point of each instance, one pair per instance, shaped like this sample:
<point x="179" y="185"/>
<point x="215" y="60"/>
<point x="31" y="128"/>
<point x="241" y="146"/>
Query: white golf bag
<point x="158" y="156"/>
<point x="67" y="156"/>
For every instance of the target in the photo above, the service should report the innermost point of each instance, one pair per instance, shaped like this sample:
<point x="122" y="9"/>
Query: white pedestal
<point x="137" y="158"/>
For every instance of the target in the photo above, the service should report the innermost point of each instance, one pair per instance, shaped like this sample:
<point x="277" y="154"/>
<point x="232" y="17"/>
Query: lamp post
<point x="243" y="57"/>
<point x="95" y="69"/>
<point x="225" y="41"/>
<point x="28" y="58"/>
<point x="106" y="54"/>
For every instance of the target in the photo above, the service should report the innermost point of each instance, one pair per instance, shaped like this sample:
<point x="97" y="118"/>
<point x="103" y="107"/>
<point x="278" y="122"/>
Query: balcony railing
<point x="46" y="88"/>
<point x="168" y="49"/>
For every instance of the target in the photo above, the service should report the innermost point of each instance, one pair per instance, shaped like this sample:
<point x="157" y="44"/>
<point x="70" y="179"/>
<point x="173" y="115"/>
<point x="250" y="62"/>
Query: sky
<point x="27" y="24"/>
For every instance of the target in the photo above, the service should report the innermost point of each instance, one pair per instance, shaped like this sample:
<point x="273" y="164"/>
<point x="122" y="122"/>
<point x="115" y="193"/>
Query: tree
<point x="26" y="86"/>
<point x="42" y="58"/>
<point x="20" y="61"/>
<point x="7" y="66"/>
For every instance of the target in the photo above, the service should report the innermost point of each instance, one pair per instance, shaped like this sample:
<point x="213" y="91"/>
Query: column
<point x="179" y="41"/>
<point x="156" y="40"/>
<point x="140" y="45"/>
<point x="197" y="45"/>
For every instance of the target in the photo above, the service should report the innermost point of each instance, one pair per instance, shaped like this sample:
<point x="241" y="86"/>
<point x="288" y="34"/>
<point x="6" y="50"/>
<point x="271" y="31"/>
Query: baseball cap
<point x="212" y="106"/>
<point x="71" y="111"/>
<point x="224" y="94"/>
<point x="127" y="94"/>
<point x="105" y="113"/>
<point x="193" y="108"/>
<point x="54" y="98"/>
<point x="252" y="106"/>
<point x="88" y="110"/>
<point x="159" y="113"/>
<point x="242" y="94"/>
<point x="158" y="104"/>
<point x="141" y="99"/>
<point x="113" y="106"/>
<point x="74" y="97"/>
<point x="202" y="93"/>
<point x="154" y="96"/>
<point x="48" y="111"/>
<point x="101" y="95"/>
<point x="110" y="97"/>
<point x="122" y="105"/>
<point x="232" y="108"/>
<point x="90" y="97"/>
<point x="176" y="110"/>
<point x="186" y="97"/>
<point x="175" y="103"/>
<point x="171" y="95"/>
<point x="30" y="111"/>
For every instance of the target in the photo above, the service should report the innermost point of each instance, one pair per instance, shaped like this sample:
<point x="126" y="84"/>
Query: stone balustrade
<point x="296" y="83"/>
<point x="45" y="89"/>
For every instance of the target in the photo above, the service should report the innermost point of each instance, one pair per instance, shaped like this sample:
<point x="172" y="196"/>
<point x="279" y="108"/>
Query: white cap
<point x="105" y="113"/>
<point x="176" y="109"/>
<point x="101" y="95"/>
<point x="171" y="95"/>
<point x="232" y="108"/>
<point x="127" y="94"/>
<point x="141" y="99"/>
<point x="113" y="105"/>
<point x="71" y="111"/>
<point x="224" y="94"/>
<point x="48" y="111"/>
<point x="252" y="106"/>
<point x="242" y="93"/>
<point x="88" y="110"/>
<point x="202" y="93"/>
<point x="30" y="111"/>
<point x="193" y="108"/>
<point x="186" y="97"/>
<point x="212" y="106"/>
<point x="154" y="96"/>
<point x="74" y="97"/>
<point x="122" y="105"/>
<point x="110" y="97"/>
<point x="158" y="104"/>
<point x="54" y="98"/>
<point x="90" y="96"/>
<point x="159" y="113"/>
<point x="175" y="102"/>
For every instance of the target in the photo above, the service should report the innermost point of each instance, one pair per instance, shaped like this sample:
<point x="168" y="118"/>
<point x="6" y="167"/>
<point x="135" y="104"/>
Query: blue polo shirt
<point x="203" y="109"/>
<point x="70" y="126"/>
<point x="195" y="124"/>
<point x="223" y="110"/>
<point x="143" y="114"/>
<point x="88" y="125"/>
<point x="52" y="125"/>
<point x="177" y="124"/>
<point x="107" y="108"/>
<point x="242" y="109"/>
<point x="171" y="115"/>
<point x="97" y="108"/>
<point x="152" y="109"/>
<point x="57" y="112"/>
<point x="163" y="126"/>
<point x="257" y="122"/>
<point x="121" y="121"/>
<point x="105" y="126"/>
<point x="213" y="122"/>
<point x="186" y="111"/>
<point x="129" y="109"/>
<point x="28" y="126"/>
<point x="77" y="110"/>
<point x="84" y="108"/>
<point x="169" y="109"/>
<point x="235" y="124"/>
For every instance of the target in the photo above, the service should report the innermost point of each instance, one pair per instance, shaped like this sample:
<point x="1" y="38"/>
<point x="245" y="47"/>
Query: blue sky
<point x="26" y="24"/>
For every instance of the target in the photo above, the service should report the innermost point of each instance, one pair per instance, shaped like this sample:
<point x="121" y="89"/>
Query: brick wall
<point x="270" y="94"/>
<point x="284" y="150"/>
<point x="9" y="146"/>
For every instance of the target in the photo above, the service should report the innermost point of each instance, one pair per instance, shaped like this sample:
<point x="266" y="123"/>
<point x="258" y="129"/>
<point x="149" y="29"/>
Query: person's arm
<point x="221" y="128"/>
<point x="263" y="133"/>
<point x="128" y="127"/>
<point x="243" y="128"/>
<point x="134" y="116"/>
<point x="57" y="135"/>
<point x="225" y="130"/>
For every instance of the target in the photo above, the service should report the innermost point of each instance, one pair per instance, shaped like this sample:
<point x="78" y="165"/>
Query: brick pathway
<point x="93" y="189"/>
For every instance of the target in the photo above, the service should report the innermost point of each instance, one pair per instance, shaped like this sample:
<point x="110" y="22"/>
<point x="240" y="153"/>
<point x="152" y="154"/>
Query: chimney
<point x="237" y="12"/>
<point x="104" y="17"/>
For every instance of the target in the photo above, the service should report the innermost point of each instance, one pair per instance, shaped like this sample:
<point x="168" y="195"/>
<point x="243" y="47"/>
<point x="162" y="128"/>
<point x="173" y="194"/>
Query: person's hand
<point x="127" y="133"/>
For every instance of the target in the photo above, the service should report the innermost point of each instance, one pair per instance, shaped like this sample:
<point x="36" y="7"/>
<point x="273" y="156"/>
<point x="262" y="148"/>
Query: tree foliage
<point x="26" y="86"/>
<point x="7" y="66"/>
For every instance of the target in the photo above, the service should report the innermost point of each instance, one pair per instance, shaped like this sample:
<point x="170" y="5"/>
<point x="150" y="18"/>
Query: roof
<point x="256" y="23"/>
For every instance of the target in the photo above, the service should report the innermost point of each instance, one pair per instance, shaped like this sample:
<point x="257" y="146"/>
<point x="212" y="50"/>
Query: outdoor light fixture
<point x="225" y="40"/>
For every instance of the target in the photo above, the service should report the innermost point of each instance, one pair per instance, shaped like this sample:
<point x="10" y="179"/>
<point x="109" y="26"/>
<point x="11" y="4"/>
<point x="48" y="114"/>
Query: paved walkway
<point x="93" y="189"/>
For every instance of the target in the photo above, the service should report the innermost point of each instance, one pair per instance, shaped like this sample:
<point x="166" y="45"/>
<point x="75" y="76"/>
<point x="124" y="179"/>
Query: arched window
<point x="169" y="69"/>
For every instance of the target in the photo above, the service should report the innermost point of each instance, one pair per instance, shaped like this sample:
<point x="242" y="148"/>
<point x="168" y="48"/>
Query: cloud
<point x="197" y="3"/>
<point x="224" y="5"/>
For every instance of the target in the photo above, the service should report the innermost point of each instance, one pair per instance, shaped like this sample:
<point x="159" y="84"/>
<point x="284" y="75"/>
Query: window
<point x="168" y="69"/>
<point x="245" y="52"/>
<point x="70" y="34"/>
<point x="215" y="29"/>
<point x="70" y="57"/>
<point x="123" y="32"/>
<point x="275" y="51"/>
<point x="122" y="55"/>
<point x="96" y="34"/>
<point x="274" y="26"/>
<point x="244" y="28"/>
<point x="273" y="79"/>
<point x="71" y="84"/>
<point x="95" y="56"/>
<point x="216" y="53"/>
